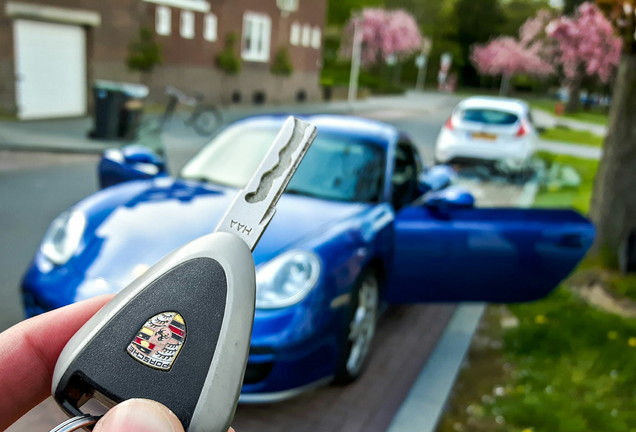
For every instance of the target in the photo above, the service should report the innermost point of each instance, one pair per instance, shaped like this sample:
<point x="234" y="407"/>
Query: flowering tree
<point x="505" y="57"/>
<point x="588" y="47"/>
<point x="384" y="34"/>
<point x="533" y="36"/>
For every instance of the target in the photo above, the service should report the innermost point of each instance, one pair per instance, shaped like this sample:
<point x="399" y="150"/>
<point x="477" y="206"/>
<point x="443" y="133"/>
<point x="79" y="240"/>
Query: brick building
<point x="52" y="50"/>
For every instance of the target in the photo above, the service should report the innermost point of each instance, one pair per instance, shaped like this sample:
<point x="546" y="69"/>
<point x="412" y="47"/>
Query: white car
<point x="493" y="130"/>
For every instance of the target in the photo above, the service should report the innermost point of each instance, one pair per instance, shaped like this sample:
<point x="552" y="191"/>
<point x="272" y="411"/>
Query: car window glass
<point x="232" y="157"/>
<point x="489" y="116"/>
<point x="404" y="179"/>
<point x="336" y="167"/>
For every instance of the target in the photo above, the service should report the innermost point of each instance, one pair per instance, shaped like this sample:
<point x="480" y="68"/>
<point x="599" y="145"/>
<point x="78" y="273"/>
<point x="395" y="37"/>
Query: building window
<point x="294" y="34"/>
<point x="256" y="35"/>
<point x="287" y="5"/>
<point x="315" y="37"/>
<point x="187" y="24"/>
<point x="209" y="31"/>
<point x="306" y="38"/>
<point x="162" y="20"/>
<point x="192" y="5"/>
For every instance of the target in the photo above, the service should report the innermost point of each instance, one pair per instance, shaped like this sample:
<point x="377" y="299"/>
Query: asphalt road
<point x="34" y="189"/>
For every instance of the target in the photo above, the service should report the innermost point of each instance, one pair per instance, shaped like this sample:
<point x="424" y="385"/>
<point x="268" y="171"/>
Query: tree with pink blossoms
<point x="587" y="47"/>
<point x="505" y="56"/>
<point x="385" y="34"/>
<point x="533" y="36"/>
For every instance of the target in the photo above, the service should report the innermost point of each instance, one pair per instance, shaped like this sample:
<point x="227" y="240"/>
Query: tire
<point x="360" y="328"/>
<point x="206" y="120"/>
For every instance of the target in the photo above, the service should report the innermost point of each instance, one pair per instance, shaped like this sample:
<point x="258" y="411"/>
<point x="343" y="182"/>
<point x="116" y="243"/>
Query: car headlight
<point x="286" y="279"/>
<point x="115" y="155"/>
<point x="63" y="237"/>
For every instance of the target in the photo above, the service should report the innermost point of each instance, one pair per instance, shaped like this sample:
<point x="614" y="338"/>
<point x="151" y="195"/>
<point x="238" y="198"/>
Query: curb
<point x="54" y="149"/>
<point x="425" y="403"/>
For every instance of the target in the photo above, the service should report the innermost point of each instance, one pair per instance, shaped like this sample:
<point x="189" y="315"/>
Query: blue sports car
<point x="361" y="225"/>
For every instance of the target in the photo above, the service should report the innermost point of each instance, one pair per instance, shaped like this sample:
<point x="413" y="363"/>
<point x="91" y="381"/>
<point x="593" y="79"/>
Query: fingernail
<point x="139" y="415"/>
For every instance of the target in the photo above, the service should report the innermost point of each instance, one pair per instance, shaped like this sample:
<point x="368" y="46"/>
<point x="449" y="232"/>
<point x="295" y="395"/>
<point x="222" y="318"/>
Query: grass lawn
<point x="554" y="365"/>
<point x="595" y="115"/>
<point x="572" y="136"/>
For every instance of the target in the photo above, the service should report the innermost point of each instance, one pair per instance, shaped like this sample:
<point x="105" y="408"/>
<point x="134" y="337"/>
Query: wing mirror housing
<point x="436" y="178"/>
<point x="134" y="162"/>
<point x="453" y="197"/>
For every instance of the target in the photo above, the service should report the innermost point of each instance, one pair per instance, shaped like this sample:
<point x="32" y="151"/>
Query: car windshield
<point x="336" y="167"/>
<point x="489" y="116"/>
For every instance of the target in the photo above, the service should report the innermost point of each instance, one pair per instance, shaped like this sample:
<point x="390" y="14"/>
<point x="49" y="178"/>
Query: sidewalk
<point x="71" y="135"/>
<point x="63" y="135"/>
<point x="548" y="120"/>
<point x="570" y="149"/>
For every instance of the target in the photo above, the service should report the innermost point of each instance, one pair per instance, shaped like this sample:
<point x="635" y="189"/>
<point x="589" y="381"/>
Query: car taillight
<point x="449" y="123"/>
<point x="523" y="130"/>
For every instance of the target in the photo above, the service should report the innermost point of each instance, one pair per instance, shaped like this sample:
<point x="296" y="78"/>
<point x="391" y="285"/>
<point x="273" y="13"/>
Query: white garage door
<point x="50" y="66"/>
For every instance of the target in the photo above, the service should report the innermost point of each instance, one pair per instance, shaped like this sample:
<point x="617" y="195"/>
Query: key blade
<point x="255" y="205"/>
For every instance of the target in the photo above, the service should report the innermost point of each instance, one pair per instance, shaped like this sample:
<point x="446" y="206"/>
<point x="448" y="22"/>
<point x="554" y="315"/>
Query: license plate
<point x="484" y="136"/>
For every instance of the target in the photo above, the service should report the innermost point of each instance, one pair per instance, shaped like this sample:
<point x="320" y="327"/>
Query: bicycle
<point x="202" y="118"/>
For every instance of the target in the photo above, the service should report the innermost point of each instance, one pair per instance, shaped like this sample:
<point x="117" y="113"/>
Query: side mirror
<point x="133" y="162"/>
<point x="453" y="197"/>
<point x="435" y="178"/>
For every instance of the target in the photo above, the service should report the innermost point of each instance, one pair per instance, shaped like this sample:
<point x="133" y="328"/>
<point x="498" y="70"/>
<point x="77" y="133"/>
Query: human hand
<point x="27" y="359"/>
<point x="140" y="415"/>
<point x="29" y="352"/>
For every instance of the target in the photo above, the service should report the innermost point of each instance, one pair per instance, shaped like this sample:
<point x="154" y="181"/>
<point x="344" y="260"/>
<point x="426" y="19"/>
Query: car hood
<point x="157" y="219"/>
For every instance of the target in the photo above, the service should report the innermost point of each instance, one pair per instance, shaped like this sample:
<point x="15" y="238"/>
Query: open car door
<point x="481" y="254"/>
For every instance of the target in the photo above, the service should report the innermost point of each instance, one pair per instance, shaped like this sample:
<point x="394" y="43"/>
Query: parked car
<point x="361" y="225"/>
<point x="492" y="130"/>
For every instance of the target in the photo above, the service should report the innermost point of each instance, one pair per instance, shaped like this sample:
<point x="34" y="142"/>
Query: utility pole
<point x="421" y="61"/>
<point x="355" y="61"/>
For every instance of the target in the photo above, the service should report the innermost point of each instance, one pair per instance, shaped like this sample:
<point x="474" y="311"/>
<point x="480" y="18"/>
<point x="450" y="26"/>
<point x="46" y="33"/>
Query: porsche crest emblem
<point x="159" y="341"/>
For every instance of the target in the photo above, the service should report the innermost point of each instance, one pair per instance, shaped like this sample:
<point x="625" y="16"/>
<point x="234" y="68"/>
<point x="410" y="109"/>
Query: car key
<point x="180" y="333"/>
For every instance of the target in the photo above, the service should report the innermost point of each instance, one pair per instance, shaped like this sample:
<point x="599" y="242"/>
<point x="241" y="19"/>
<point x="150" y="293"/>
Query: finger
<point x="139" y="415"/>
<point x="28" y="352"/>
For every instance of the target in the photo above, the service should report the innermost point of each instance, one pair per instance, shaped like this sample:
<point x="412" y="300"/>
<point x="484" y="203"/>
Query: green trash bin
<point x="111" y="120"/>
<point x="131" y="110"/>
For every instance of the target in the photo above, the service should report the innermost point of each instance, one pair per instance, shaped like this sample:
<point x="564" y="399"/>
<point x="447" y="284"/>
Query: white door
<point x="50" y="66"/>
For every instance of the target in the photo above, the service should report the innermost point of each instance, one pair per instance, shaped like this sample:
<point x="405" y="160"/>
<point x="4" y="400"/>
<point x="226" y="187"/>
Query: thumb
<point x="139" y="415"/>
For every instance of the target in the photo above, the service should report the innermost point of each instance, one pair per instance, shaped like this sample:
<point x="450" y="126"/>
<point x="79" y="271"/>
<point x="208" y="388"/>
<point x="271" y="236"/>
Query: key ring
<point x="76" y="423"/>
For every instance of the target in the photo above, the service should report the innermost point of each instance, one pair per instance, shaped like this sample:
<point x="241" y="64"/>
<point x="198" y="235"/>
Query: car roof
<point x="366" y="129"/>
<point x="507" y="104"/>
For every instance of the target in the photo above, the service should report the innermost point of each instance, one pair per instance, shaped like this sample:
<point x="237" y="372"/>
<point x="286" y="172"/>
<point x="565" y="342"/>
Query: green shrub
<point x="144" y="53"/>
<point x="282" y="64"/>
<point x="227" y="58"/>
